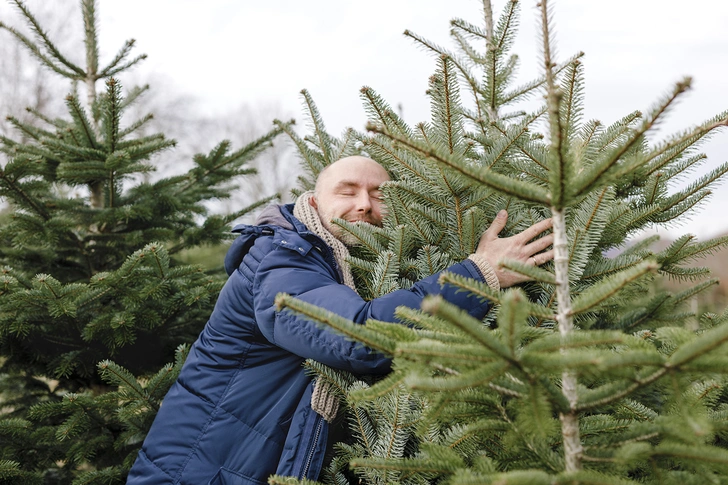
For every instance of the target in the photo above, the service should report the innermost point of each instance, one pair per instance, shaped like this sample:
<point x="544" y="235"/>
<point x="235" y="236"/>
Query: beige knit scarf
<point x="304" y="212"/>
<point x="324" y="400"/>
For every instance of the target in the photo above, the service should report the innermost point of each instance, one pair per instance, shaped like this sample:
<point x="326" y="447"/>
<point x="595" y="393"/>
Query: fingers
<point x="540" y="244"/>
<point x="536" y="229"/>
<point x="497" y="225"/>
<point x="541" y="258"/>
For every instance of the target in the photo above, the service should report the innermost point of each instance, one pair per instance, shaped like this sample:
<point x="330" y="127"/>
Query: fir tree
<point x="588" y="374"/>
<point x="94" y="299"/>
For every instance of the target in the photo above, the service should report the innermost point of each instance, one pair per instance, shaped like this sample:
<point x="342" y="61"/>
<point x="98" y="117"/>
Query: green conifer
<point x="588" y="374"/>
<point x="94" y="298"/>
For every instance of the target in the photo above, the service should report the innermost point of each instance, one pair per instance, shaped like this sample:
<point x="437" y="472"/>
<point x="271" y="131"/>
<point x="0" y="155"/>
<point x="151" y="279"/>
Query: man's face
<point x="349" y="189"/>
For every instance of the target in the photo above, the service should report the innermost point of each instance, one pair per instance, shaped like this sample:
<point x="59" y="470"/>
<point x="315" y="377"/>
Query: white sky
<point x="233" y="52"/>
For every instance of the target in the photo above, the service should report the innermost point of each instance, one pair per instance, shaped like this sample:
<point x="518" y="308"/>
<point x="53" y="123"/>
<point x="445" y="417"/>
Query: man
<point x="241" y="407"/>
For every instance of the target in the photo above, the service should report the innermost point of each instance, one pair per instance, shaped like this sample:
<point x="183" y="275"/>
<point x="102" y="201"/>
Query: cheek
<point x="341" y="207"/>
<point x="379" y="209"/>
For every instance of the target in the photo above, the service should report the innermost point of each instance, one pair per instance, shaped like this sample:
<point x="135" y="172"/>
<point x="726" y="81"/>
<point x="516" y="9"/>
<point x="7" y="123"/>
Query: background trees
<point x="94" y="298"/>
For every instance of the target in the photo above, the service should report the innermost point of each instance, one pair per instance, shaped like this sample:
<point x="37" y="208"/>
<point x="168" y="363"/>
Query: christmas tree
<point x="95" y="304"/>
<point x="590" y="373"/>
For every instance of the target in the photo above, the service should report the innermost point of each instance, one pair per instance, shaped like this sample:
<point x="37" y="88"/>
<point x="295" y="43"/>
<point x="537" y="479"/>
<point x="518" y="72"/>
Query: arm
<point x="309" y="278"/>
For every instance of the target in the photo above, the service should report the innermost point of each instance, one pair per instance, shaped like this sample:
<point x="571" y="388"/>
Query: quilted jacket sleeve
<point x="309" y="277"/>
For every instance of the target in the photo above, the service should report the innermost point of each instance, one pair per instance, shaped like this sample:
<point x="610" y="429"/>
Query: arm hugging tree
<point x="587" y="374"/>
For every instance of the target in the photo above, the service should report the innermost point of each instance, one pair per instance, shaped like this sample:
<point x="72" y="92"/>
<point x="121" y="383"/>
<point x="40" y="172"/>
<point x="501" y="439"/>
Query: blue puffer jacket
<point x="240" y="409"/>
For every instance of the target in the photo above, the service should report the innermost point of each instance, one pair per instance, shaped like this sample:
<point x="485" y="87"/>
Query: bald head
<point x="349" y="189"/>
<point x="347" y="167"/>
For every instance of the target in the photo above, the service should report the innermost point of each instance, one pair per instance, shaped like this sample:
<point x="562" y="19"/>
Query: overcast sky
<point x="233" y="52"/>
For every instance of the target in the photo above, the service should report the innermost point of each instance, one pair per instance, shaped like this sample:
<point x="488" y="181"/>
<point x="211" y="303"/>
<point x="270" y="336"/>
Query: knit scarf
<point x="324" y="400"/>
<point x="304" y="212"/>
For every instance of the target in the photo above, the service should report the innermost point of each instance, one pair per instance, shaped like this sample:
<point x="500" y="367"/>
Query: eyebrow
<point x="341" y="184"/>
<point x="346" y="183"/>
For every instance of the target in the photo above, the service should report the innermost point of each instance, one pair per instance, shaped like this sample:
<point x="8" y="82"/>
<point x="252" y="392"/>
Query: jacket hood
<point x="272" y="216"/>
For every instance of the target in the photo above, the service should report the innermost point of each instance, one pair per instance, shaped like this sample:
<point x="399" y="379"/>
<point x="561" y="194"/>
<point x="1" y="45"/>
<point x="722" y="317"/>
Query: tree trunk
<point x="569" y="421"/>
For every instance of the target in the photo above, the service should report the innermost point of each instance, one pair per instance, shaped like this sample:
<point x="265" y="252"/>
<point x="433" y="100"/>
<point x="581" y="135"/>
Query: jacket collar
<point x="282" y="216"/>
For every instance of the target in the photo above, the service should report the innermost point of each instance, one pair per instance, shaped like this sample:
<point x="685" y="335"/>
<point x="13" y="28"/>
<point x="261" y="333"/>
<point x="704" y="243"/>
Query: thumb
<point x="497" y="225"/>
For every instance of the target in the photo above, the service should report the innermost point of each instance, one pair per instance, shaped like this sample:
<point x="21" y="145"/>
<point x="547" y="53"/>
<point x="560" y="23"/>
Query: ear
<point x="312" y="202"/>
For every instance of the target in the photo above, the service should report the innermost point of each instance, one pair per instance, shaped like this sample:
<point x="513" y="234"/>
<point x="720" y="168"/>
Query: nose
<point x="364" y="203"/>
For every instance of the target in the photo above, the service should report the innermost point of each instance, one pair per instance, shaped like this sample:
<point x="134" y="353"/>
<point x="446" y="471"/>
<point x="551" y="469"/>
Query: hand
<point x="522" y="247"/>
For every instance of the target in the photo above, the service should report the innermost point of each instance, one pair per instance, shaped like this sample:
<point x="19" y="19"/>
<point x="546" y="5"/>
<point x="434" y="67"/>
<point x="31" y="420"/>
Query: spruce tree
<point x="590" y="373"/>
<point x="96" y="306"/>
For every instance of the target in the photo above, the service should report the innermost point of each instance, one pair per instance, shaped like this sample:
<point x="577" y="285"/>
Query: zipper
<point x="329" y="257"/>
<point x="312" y="449"/>
<point x="332" y="260"/>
